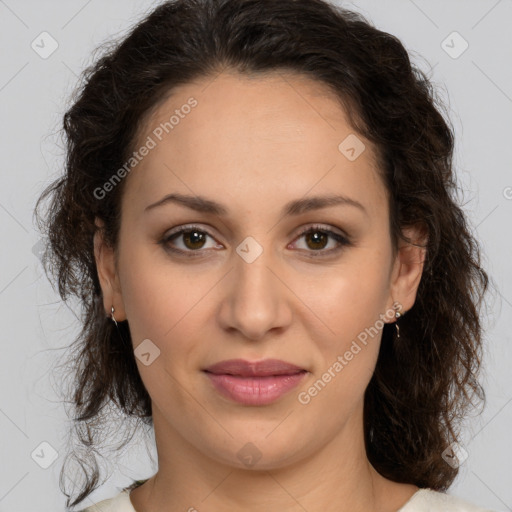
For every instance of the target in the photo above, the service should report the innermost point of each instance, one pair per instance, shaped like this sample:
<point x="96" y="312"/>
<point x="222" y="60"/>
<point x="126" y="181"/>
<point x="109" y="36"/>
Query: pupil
<point x="192" y="238"/>
<point x="318" y="236"/>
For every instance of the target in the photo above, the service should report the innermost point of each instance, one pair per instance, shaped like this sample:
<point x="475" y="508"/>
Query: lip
<point x="264" y="368"/>
<point x="254" y="383"/>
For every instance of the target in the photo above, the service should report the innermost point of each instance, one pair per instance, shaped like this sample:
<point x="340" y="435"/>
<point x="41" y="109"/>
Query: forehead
<point x="236" y="136"/>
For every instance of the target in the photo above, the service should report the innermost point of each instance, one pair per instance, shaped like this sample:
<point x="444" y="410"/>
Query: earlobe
<point x="409" y="267"/>
<point x="104" y="256"/>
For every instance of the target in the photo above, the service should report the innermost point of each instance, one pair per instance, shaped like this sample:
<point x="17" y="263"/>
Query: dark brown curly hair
<point x="426" y="380"/>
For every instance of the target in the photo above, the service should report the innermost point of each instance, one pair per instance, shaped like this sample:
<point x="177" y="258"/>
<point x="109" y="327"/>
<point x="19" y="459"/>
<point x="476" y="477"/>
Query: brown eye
<point x="188" y="239"/>
<point x="317" y="239"/>
<point x="193" y="239"/>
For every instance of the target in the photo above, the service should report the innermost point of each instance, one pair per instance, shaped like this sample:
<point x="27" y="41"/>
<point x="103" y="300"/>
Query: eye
<point x="317" y="238"/>
<point x="193" y="239"/>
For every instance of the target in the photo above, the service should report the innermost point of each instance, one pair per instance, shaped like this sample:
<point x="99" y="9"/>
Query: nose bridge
<point x="256" y="302"/>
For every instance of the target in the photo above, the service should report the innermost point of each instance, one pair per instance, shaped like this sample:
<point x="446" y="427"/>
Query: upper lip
<point x="263" y="368"/>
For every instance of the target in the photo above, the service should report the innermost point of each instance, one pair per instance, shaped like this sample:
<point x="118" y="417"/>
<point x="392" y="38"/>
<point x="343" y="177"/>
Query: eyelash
<point x="342" y="240"/>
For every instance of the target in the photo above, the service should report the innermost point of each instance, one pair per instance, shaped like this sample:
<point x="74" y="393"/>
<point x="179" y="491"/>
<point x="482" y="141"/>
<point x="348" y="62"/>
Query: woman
<point x="258" y="215"/>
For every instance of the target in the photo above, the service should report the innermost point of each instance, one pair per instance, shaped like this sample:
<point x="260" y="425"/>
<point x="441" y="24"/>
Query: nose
<point x="256" y="299"/>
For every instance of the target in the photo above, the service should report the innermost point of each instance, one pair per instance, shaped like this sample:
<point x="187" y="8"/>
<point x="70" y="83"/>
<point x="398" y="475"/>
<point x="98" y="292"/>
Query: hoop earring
<point x="112" y="317"/>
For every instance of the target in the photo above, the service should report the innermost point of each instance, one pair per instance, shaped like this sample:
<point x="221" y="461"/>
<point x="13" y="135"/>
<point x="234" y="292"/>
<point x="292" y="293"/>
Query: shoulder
<point x="120" y="503"/>
<point x="428" y="500"/>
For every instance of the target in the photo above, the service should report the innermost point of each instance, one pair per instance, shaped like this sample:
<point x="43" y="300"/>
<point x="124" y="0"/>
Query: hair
<point x="425" y="380"/>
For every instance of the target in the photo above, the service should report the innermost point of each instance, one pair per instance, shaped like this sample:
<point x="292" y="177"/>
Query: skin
<point x="253" y="144"/>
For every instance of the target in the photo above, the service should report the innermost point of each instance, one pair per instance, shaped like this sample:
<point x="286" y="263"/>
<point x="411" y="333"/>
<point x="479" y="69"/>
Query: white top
<point x="423" y="500"/>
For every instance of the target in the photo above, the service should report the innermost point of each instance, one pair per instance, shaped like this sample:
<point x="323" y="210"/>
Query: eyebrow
<point x="296" y="207"/>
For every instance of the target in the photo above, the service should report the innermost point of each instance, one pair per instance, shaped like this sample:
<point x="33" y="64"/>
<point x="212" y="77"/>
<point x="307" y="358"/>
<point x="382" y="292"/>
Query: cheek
<point x="350" y="297"/>
<point x="149" y="297"/>
<point x="160" y="308"/>
<point x="155" y="302"/>
<point x="348" y="348"/>
<point x="165" y="302"/>
<point x="350" y="304"/>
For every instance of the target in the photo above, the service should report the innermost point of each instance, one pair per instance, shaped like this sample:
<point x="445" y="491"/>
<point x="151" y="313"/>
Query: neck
<point x="337" y="477"/>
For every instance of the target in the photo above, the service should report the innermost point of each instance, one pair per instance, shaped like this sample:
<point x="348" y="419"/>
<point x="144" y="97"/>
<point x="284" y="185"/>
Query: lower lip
<point x="255" y="390"/>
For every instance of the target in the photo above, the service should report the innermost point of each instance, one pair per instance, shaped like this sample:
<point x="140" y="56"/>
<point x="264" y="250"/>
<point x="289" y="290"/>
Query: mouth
<point x="264" y="368"/>
<point x="254" y="384"/>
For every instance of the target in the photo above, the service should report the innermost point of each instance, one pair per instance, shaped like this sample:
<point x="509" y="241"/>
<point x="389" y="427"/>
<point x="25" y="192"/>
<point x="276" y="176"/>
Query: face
<point x="255" y="278"/>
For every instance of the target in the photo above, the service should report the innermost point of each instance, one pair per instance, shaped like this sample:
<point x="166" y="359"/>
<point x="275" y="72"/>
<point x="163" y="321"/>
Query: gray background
<point x="36" y="326"/>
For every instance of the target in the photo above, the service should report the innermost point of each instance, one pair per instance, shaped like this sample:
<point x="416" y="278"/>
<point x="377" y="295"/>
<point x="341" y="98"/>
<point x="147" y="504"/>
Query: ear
<point x="408" y="267"/>
<point x="107" y="274"/>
